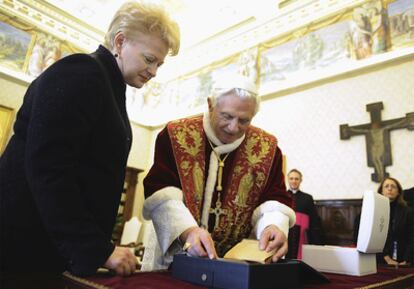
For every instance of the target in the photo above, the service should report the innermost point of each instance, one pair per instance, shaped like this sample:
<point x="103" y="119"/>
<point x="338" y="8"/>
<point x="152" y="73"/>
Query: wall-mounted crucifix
<point x="377" y="138"/>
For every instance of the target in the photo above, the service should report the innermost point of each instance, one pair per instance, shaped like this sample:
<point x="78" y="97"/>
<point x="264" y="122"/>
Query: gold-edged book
<point x="248" y="250"/>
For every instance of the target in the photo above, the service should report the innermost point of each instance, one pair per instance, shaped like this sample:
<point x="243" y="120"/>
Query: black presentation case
<point x="235" y="274"/>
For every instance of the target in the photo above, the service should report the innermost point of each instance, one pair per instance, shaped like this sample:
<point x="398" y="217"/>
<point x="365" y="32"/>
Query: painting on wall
<point x="401" y="18"/>
<point x="193" y="92"/>
<point x="6" y="120"/>
<point x="45" y="52"/>
<point x="332" y="47"/>
<point x="157" y="103"/>
<point x="296" y="58"/>
<point x="369" y="30"/>
<point x="15" y="46"/>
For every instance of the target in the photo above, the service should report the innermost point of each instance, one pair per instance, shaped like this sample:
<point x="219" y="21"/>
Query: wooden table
<point x="386" y="278"/>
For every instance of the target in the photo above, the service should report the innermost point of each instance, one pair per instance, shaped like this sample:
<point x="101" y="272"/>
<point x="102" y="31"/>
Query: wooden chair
<point x="126" y="205"/>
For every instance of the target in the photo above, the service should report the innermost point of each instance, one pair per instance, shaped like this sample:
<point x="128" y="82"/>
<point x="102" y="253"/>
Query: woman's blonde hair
<point x="146" y="18"/>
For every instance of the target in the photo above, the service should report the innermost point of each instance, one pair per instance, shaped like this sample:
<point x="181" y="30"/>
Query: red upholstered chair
<point x="298" y="235"/>
<point x="302" y="220"/>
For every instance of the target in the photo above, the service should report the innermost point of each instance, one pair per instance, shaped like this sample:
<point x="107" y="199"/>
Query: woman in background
<point x="399" y="246"/>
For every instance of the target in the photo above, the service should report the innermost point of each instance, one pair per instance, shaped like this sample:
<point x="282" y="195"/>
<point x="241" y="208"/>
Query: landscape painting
<point x="14" y="47"/>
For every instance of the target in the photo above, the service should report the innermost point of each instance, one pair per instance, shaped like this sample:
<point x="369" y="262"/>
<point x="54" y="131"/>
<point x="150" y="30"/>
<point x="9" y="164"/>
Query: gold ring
<point x="186" y="246"/>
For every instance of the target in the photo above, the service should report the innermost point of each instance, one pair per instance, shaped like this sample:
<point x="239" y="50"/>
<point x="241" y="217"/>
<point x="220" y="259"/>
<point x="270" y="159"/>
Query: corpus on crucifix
<point x="377" y="137"/>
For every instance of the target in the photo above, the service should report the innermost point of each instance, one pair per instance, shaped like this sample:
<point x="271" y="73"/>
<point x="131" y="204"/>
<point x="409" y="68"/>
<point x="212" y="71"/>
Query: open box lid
<point x="373" y="227"/>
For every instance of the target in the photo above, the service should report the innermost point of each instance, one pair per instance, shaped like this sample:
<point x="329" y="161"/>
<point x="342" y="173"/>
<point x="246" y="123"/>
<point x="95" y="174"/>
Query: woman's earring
<point x="117" y="53"/>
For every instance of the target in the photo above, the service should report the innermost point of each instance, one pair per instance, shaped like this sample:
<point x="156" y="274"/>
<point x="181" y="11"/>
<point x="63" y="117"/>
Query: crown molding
<point x="55" y="21"/>
<point x="251" y="33"/>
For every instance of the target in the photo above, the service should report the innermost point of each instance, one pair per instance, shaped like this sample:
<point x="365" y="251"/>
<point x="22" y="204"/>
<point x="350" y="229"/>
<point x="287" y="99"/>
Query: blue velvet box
<point x="234" y="274"/>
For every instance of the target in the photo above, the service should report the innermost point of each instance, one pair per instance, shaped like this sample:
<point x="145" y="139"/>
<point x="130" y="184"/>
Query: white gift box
<point x="372" y="234"/>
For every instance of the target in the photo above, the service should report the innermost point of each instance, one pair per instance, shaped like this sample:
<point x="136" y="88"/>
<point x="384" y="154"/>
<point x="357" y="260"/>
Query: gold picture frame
<point x="6" y="121"/>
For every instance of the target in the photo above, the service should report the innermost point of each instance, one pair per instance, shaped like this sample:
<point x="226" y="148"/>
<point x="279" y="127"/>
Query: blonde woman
<point x="62" y="173"/>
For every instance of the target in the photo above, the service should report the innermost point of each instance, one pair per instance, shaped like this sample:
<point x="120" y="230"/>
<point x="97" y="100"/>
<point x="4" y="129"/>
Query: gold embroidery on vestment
<point x="198" y="181"/>
<point x="194" y="136"/>
<point x="253" y="158"/>
<point x="185" y="166"/>
<point x="245" y="186"/>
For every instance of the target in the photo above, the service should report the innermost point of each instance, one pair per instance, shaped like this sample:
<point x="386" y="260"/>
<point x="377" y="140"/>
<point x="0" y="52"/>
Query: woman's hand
<point x="122" y="261"/>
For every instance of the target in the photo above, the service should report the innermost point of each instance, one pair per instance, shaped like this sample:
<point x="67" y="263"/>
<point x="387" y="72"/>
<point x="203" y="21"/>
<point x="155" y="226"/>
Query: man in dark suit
<point x="308" y="228"/>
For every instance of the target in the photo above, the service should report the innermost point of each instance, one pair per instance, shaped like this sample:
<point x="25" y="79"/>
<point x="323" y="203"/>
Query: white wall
<point x="307" y="124"/>
<point x="11" y="92"/>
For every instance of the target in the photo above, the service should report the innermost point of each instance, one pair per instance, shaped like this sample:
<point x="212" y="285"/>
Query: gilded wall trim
<point x="53" y="21"/>
<point x="260" y="31"/>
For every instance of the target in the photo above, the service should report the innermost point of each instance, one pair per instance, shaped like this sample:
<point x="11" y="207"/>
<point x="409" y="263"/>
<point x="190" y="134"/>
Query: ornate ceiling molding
<point x="52" y="20"/>
<point x="292" y="18"/>
<point x="253" y="33"/>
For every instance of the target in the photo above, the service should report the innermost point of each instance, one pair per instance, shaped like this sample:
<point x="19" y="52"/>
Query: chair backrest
<point x="126" y="205"/>
<point x="302" y="220"/>
<point x="131" y="231"/>
<point x="298" y="236"/>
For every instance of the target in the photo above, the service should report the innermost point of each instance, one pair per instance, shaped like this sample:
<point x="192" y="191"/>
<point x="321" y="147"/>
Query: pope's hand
<point x="199" y="242"/>
<point x="273" y="238"/>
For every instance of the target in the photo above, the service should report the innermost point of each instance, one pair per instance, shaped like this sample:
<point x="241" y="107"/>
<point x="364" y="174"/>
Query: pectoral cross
<point x="217" y="211"/>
